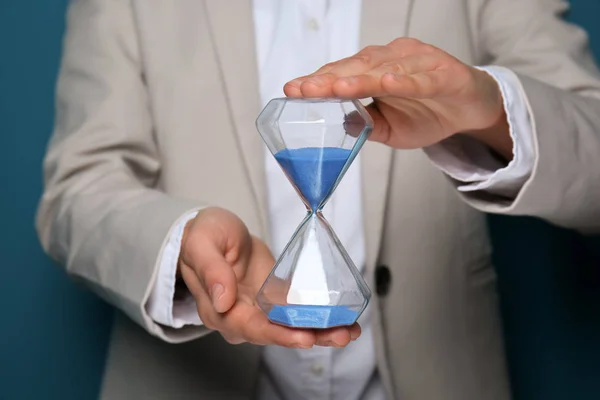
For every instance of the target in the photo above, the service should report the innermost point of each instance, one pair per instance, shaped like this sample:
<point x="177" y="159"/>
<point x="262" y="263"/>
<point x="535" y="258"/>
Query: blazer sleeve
<point x="100" y="215"/>
<point x="562" y="88"/>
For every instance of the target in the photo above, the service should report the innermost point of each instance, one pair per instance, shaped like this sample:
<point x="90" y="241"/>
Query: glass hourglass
<point x="314" y="283"/>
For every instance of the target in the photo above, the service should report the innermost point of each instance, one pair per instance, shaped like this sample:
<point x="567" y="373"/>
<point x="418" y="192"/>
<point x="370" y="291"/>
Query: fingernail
<point x="216" y="293"/>
<point x="396" y="77"/>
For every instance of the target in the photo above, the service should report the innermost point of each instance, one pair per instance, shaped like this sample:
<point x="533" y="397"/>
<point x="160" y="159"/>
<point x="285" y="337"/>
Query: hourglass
<point x="314" y="283"/>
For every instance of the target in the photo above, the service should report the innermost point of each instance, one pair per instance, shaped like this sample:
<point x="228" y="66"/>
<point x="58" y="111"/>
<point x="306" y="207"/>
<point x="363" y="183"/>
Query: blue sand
<point x="308" y="316"/>
<point x="314" y="170"/>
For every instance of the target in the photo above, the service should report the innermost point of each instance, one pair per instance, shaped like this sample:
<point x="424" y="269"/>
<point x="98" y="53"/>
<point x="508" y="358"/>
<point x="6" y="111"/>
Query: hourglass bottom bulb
<point x="310" y="316"/>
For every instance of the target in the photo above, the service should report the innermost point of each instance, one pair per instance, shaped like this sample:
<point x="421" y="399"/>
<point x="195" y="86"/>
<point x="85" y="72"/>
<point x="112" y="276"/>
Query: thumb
<point x="207" y="245"/>
<point x="354" y="123"/>
<point x="381" y="128"/>
<point x="218" y="280"/>
<point x="215" y="275"/>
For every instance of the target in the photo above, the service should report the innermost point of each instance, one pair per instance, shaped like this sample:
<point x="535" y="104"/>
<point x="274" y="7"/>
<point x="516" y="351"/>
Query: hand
<point x="224" y="267"/>
<point x="421" y="94"/>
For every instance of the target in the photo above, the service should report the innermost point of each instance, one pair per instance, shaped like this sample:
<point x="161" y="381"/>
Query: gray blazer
<point x="155" y="115"/>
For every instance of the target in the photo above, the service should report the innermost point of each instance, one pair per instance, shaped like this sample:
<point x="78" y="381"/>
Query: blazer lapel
<point x="382" y="22"/>
<point x="232" y="29"/>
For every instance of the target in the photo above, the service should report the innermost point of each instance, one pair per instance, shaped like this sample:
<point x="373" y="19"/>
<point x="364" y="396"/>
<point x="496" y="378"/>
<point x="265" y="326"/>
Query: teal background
<point x="549" y="282"/>
<point x="53" y="334"/>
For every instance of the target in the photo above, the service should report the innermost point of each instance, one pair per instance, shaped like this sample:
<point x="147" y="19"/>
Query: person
<point x="161" y="198"/>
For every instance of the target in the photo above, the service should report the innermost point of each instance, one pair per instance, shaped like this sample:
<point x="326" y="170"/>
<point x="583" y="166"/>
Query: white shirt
<point x="294" y="38"/>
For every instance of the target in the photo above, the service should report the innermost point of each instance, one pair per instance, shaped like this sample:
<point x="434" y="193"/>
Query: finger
<point x="257" y="329"/>
<point x="355" y="331"/>
<point x="339" y="336"/>
<point x="206" y="311"/>
<point x="205" y="250"/>
<point x="215" y="274"/>
<point x="219" y="281"/>
<point x="354" y="123"/>
<point x="381" y="131"/>
<point x="373" y="56"/>
<point x="401" y="114"/>
<point x="366" y="59"/>
<point x="321" y="71"/>
<point x="319" y="82"/>
<point x="244" y="323"/>
<point x="370" y="83"/>
<point x="191" y="280"/>
<point x="310" y="86"/>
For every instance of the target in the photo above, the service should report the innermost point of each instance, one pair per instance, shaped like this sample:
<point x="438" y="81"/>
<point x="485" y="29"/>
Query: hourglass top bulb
<point x="314" y="141"/>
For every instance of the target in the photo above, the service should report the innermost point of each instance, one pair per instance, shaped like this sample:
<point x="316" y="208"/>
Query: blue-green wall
<point x="550" y="292"/>
<point x="53" y="334"/>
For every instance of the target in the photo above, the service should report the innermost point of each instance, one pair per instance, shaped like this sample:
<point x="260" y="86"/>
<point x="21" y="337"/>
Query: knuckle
<point x="428" y="48"/>
<point x="405" y="41"/>
<point x="193" y="233"/>
<point x="190" y="247"/>
<point x="395" y="68"/>
<point x="328" y="76"/>
<point x="327" y="67"/>
<point x="211" y="274"/>
<point x="205" y="271"/>
<point x="363" y="58"/>
<point x="370" y="49"/>
<point x="366" y="55"/>
<point x="186" y="249"/>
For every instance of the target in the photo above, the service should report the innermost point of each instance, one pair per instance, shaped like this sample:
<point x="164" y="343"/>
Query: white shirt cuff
<point x="162" y="306"/>
<point x="474" y="165"/>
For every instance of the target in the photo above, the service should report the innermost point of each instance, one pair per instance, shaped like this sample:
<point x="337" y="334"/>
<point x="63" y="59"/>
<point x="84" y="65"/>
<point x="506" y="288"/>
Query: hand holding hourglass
<point x="224" y="266"/>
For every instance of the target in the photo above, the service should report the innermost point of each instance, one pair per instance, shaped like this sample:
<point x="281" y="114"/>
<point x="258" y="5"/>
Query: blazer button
<point x="383" y="280"/>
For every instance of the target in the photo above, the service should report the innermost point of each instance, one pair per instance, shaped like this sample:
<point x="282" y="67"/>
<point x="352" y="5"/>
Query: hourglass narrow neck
<point x="314" y="171"/>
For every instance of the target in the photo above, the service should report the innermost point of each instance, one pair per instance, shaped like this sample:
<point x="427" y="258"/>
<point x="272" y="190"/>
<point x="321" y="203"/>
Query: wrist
<point x="496" y="133"/>
<point x="496" y="137"/>
<point x="184" y="236"/>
